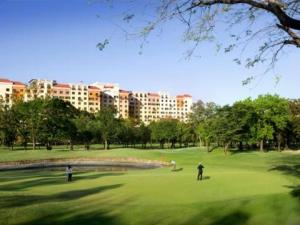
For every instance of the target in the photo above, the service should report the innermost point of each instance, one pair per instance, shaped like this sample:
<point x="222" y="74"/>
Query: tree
<point x="243" y="113"/>
<point x="34" y="119"/>
<point x="57" y="120"/>
<point x="21" y="110"/>
<point x="144" y="135"/>
<point x="8" y="126"/>
<point x="126" y="132"/>
<point x="108" y="123"/>
<point x="204" y="127"/>
<point x="293" y="126"/>
<point x="268" y="26"/>
<point x="84" y="126"/>
<point x="163" y="131"/>
<point x="272" y="117"/>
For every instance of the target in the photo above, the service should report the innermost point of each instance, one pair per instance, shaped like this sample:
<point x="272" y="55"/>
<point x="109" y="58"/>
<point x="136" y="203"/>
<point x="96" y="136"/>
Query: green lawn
<point x="243" y="188"/>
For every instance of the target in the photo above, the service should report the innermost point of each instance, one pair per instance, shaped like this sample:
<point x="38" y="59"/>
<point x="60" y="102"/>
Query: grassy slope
<point x="238" y="189"/>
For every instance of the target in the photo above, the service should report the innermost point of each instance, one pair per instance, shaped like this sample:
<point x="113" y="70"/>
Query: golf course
<point x="240" y="188"/>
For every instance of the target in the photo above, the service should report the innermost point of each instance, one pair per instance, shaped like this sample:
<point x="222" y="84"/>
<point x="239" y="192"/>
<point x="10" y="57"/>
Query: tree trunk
<point x="226" y="148"/>
<point x="286" y="145"/>
<point x="105" y="144"/>
<point x="240" y="145"/>
<point x="71" y="145"/>
<point x="33" y="143"/>
<point x="279" y="142"/>
<point x="261" y="145"/>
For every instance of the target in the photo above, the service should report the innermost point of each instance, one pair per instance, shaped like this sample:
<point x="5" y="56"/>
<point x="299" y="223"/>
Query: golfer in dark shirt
<point x="200" y="171"/>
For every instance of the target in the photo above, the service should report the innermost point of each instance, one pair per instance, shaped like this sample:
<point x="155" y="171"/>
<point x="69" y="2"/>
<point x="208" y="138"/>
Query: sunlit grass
<point x="246" y="188"/>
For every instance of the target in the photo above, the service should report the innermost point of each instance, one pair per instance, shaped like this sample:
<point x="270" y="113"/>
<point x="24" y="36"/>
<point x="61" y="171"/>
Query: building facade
<point x="143" y="106"/>
<point x="11" y="91"/>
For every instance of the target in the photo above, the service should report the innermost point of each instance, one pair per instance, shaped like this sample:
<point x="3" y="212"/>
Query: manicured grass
<point x="243" y="188"/>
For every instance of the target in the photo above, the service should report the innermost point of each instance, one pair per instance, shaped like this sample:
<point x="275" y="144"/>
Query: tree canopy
<point x="265" y="27"/>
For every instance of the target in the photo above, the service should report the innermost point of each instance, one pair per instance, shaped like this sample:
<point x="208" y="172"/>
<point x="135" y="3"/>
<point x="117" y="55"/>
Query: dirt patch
<point x="295" y="152"/>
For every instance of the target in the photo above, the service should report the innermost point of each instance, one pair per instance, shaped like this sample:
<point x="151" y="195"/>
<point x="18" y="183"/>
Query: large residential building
<point x="124" y="103"/>
<point x="94" y="98"/>
<point x="109" y="95"/>
<point x="61" y="91"/>
<point x="11" y="91"/>
<point x="143" y="106"/>
<point x="39" y="88"/>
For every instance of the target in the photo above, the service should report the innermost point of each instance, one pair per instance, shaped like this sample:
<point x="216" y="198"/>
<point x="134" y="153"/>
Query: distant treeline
<point x="268" y="122"/>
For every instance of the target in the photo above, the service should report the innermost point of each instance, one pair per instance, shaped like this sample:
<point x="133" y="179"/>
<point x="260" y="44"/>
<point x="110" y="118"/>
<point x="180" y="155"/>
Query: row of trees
<point x="48" y="121"/>
<point x="266" y="122"/>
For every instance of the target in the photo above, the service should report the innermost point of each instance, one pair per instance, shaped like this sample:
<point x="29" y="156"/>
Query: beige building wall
<point x="39" y="88"/>
<point x="94" y="99"/>
<point x="79" y="96"/>
<point x="6" y="90"/>
<point x="109" y="95"/>
<point x="184" y="106"/>
<point x="153" y="107"/>
<point x="19" y="90"/>
<point x="61" y="91"/>
<point x="124" y="102"/>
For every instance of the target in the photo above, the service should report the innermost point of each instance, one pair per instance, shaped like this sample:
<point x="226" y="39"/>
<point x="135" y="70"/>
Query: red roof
<point x="153" y="94"/>
<point x="5" y="80"/>
<point x="18" y="83"/>
<point x="184" y="96"/>
<point x="123" y="91"/>
<point x="61" y="86"/>
<point x="93" y="87"/>
<point x="108" y="86"/>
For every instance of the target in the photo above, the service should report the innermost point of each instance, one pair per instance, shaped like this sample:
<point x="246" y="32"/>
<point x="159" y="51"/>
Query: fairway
<point x="242" y="188"/>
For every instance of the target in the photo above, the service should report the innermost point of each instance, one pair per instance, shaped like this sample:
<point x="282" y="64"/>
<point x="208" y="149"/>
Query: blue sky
<point x="56" y="39"/>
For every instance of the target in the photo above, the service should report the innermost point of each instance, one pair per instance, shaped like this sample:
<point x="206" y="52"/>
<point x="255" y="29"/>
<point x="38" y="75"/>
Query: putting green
<point x="245" y="188"/>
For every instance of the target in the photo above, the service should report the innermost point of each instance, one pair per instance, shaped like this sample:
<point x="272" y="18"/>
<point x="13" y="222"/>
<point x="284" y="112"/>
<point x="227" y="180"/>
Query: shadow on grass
<point x="235" y="218"/>
<point x="295" y="190"/>
<point x="27" y="200"/>
<point x="288" y="169"/>
<point x="52" y="180"/>
<point x="92" y="218"/>
<point x="177" y="170"/>
<point x="206" y="178"/>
